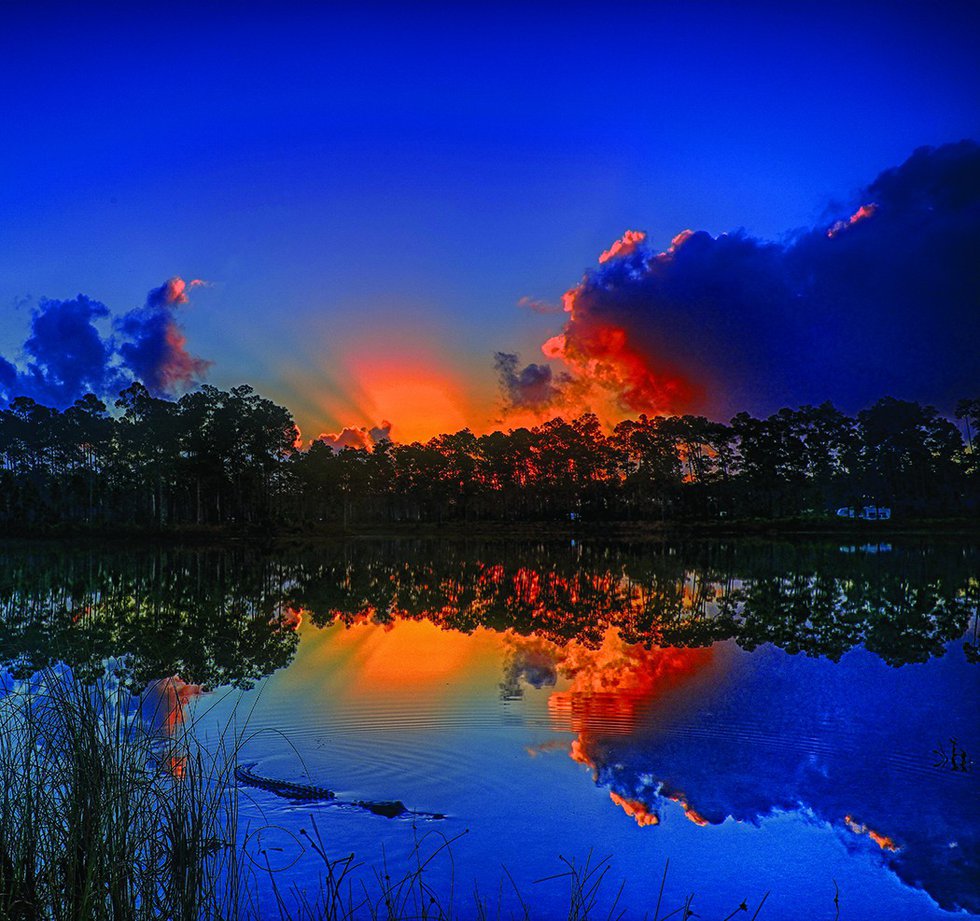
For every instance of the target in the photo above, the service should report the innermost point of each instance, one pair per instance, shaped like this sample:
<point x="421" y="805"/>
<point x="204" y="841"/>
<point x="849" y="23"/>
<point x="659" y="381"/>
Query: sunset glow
<point x="419" y="396"/>
<point x="413" y="656"/>
<point x="476" y="451"/>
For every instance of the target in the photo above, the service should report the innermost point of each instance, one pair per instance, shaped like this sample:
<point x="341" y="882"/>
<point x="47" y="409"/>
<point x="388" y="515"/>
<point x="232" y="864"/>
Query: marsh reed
<point x="112" y="808"/>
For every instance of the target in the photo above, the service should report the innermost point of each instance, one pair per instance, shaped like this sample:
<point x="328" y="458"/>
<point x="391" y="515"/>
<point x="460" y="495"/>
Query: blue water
<point x="771" y="751"/>
<point x="789" y="725"/>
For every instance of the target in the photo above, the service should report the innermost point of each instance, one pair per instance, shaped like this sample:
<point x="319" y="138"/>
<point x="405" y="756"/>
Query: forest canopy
<point x="234" y="458"/>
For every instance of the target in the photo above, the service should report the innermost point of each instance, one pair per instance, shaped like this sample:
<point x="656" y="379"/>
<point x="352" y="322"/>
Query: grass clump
<point x="112" y="809"/>
<point x="107" y="811"/>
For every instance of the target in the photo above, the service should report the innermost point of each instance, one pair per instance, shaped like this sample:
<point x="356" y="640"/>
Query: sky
<point x="378" y="214"/>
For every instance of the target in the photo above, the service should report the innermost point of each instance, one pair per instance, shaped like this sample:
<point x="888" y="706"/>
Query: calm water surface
<point x="798" y="719"/>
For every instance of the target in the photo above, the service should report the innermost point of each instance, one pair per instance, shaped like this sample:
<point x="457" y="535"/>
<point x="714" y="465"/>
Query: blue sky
<point x="378" y="188"/>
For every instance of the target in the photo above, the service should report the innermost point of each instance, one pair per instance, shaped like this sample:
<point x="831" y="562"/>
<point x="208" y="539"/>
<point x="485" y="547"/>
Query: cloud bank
<point x="879" y="299"/>
<point x="356" y="437"/>
<point x="67" y="355"/>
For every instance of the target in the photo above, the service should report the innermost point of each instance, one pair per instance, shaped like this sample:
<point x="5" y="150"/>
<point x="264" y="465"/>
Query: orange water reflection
<point x="635" y="809"/>
<point x="399" y="655"/>
<point x="859" y="828"/>
<point x="612" y="685"/>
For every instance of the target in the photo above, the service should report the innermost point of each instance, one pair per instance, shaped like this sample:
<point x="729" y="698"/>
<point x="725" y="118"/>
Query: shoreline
<point x="639" y="531"/>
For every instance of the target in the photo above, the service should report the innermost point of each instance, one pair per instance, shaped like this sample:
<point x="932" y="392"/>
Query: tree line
<point x="233" y="459"/>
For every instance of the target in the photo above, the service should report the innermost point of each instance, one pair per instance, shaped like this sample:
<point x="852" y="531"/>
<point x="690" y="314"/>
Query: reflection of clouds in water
<point x="553" y="745"/>
<point x="613" y="684"/>
<point x="790" y="738"/>
<point x="529" y="660"/>
<point x="883" y="841"/>
<point x="163" y="705"/>
<point x="636" y="809"/>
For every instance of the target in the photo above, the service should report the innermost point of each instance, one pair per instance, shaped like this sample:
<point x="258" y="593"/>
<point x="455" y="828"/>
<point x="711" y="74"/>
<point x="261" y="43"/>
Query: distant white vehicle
<point x="867" y="513"/>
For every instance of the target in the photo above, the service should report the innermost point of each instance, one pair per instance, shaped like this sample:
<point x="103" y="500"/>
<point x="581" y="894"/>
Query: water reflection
<point x="627" y="641"/>
<point x="904" y="606"/>
<point x="695" y="733"/>
<point x="229" y="617"/>
<point x="210" y="617"/>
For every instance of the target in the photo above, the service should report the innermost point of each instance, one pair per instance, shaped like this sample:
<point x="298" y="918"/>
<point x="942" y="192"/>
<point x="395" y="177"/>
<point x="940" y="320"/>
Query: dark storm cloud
<point x="534" y="387"/>
<point x="66" y="355"/>
<point x="882" y="299"/>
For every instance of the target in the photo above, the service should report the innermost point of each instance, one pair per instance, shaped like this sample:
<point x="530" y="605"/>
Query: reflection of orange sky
<point x="413" y="654"/>
<point x="635" y="809"/>
<point x="174" y="696"/>
<point x="612" y="686"/>
<point x="407" y="655"/>
<point x="692" y="814"/>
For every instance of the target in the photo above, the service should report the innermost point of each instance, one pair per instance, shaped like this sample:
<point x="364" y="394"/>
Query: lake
<point x="796" y="718"/>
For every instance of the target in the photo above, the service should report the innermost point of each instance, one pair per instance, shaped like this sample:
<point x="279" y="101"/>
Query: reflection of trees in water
<point x="212" y="617"/>
<point x="227" y="616"/>
<point x="905" y="605"/>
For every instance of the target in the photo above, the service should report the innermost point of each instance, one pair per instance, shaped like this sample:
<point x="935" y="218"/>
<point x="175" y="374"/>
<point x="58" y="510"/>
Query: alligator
<point x="390" y="809"/>
<point x="245" y="774"/>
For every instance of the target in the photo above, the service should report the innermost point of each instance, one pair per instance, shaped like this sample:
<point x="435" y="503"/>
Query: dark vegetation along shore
<point x="230" y="462"/>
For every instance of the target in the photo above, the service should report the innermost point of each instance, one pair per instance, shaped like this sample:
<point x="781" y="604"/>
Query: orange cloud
<point x="610" y="372"/>
<point x="884" y="842"/>
<point x="624" y="246"/>
<point x="180" y="366"/>
<point x="357" y="437"/>
<point x="678" y="241"/>
<point x="692" y="814"/>
<point x="862" y="214"/>
<point x="601" y="355"/>
<point x="175" y="290"/>
<point x="635" y="809"/>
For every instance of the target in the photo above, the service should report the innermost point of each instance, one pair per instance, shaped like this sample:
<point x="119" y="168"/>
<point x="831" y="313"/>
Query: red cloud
<point x="624" y="246"/>
<point x="862" y="213"/>
<point x="175" y="290"/>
